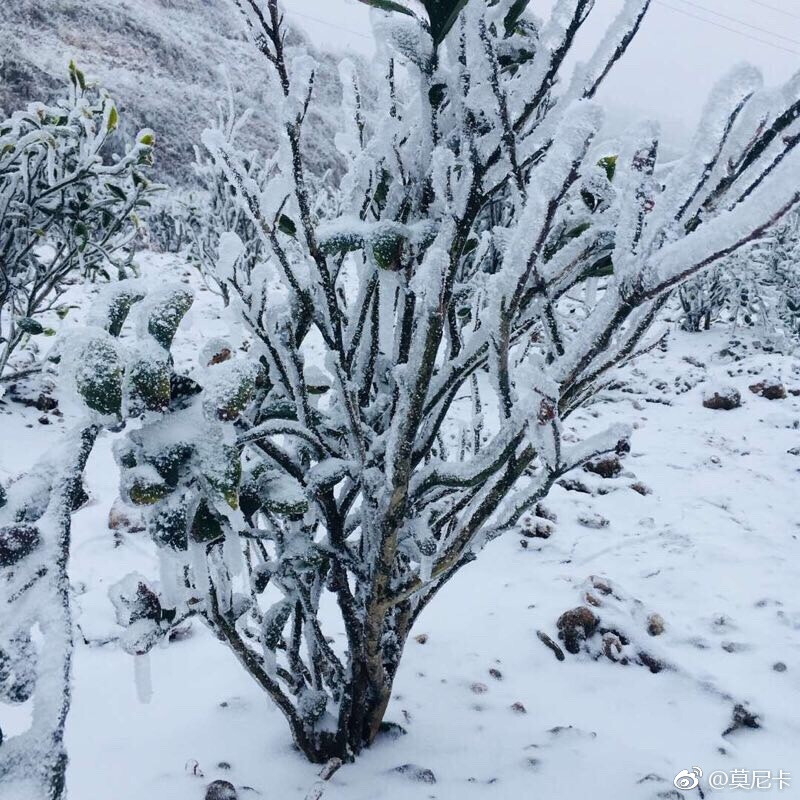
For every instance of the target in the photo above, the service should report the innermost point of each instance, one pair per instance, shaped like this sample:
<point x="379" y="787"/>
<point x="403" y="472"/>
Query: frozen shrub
<point x="412" y="368"/>
<point x="757" y="288"/>
<point x="66" y="208"/>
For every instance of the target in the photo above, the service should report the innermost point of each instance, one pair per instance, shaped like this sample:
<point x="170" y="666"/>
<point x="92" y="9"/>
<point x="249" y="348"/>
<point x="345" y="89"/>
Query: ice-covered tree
<point x="67" y="208"/>
<point x="413" y="359"/>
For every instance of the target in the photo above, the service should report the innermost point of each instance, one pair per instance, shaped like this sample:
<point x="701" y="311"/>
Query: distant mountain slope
<point x="159" y="59"/>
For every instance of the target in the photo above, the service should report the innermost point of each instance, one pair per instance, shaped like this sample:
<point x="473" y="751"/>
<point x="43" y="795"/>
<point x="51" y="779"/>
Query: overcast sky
<point x="683" y="47"/>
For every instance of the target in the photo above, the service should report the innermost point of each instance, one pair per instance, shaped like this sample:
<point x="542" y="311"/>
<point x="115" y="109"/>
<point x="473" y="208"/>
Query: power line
<point x="741" y="22"/>
<point x="659" y="2"/>
<point x="775" y="8"/>
<point x="329" y="24"/>
<point x="726" y="28"/>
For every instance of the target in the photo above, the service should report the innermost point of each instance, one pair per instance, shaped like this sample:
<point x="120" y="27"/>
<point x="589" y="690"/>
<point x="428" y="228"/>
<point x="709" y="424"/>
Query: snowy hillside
<point x="160" y="60"/>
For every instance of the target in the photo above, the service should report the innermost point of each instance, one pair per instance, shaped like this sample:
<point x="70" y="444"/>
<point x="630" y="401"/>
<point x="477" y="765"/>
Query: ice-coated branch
<point x="35" y="594"/>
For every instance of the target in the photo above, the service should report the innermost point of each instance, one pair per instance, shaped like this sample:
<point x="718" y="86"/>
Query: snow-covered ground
<point x="708" y="540"/>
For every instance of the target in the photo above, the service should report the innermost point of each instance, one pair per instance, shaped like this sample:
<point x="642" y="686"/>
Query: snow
<point x="713" y="549"/>
<point x="456" y="157"/>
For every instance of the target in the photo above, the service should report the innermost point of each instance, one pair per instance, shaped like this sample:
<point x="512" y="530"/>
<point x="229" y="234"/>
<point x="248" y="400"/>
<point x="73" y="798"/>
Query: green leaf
<point x="274" y="620"/>
<point x="62" y="311"/>
<point x="148" y="384"/>
<point x="30" y="325"/>
<point x="76" y="76"/>
<point x="287" y="226"/>
<point x="145" y="492"/>
<point x="113" y="119"/>
<point x="99" y="382"/>
<point x="116" y="191"/>
<point x="442" y="15"/>
<point x="609" y="164"/>
<point x="166" y="314"/>
<point x="389" y="5"/>
<point x="514" y="13"/>
<point x="206" y="527"/>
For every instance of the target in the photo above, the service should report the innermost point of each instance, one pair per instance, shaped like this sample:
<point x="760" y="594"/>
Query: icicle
<point x="270" y="663"/>
<point x="202" y="581"/>
<point x="143" y="678"/>
<point x="232" y="553"/>
<point x="590" y="292"/>
<point x="168" y="570"/>
<point x="387" y="286"/>
<point x="425" y="568"/>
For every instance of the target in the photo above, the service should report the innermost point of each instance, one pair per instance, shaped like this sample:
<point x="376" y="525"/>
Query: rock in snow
<point x="722" y="398"/>
<point x="221" y="790"/>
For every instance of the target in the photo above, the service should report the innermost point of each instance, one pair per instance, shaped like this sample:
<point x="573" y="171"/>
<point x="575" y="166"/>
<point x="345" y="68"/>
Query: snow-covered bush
<point x="216" y="211"/>
<point x="410" y="372"/>
<point x="169" y="219"/>
<point x="66" y="207"/>
<point x="757" y="287"/>
<point x="766" y="290"/>
<point x="704" y="298"/>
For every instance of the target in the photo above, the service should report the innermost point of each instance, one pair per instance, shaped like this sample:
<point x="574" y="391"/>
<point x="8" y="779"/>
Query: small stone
<point x="421" y="639"/>
<point x="44" y="420"/>
<point x="479" y="688"/>
<point x="221" y="790"/>
<point x="392" y="730"/>
<point x="612" y="646"/>
<point x="574" y="485"/>
<point x="122" y="517"/>
<point x="769" y="389"/>
<point x="655" y="625"/>
<point x="496" y="674"/>
<point x="416" y="773"/>
<point x="652" y="663"/>
<point x="545" y="513"/>
<point x="594" y="521"/>
<point x="592" y="600"/>
<point x="575" y="626"/>
<point x="601" y="585"/>
<point x="742" y="718"/>
<point x="548" y="642"/>
<point x="779" y="666"/>
<point x="733" y="647"/>
<point x="608" y="467"/>
<point x="193" y="768"/>
<point x="641" y="488"/>
<point x="724" y="398"/>
<point x="518" y="708"/>
<point x="536" y="528"/>
<point x="45" y="402"/>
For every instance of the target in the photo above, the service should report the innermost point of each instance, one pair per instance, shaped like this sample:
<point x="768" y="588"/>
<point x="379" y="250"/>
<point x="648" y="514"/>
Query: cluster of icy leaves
<point x="65" y="207"/>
